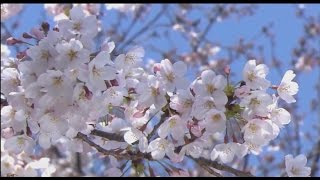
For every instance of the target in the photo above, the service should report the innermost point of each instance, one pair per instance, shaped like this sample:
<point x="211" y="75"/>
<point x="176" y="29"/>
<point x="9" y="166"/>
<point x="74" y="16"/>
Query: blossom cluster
<point x="9" y="10"/>
<point x="62" y="87"/>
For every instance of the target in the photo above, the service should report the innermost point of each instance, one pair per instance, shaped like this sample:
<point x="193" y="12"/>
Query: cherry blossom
<point x="287" y="87"/>
<point x="94" y="99"/>
<point x="296" y="167"/>
<point x="159" y="148"/>
<point x="254" y="75"/>
<point x="174" y="126"/>
<point x="172" y="75"/>
<point x="226" y="152"/>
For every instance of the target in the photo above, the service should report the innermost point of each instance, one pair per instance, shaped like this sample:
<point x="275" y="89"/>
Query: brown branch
<point x="110" y="136"/>
<point x="211" y="171"/>
<point x="86" y="139"/>
<point x="140" y="32"/>
<point x="78" y="163"/>
<point x="222" y="167"/>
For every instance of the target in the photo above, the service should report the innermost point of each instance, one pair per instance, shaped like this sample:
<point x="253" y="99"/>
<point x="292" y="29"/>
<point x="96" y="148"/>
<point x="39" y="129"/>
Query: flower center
<point x="209" y="105"/>
<point x="254" y="128"/>
<point x="227" y="151"/>
<point x="130" y="58"/>
<point x="162" y="146"/>
<point x="72" y="54"/>
<point x="216" y="118"/>
<point x="295" y="171"/>
<point x="45" y="55"/>
<point x="57" y="81"/>
<point x="172" y="123"/>
<point x="187" y="103"/>
<point x="20" y="141"/>
<point x="95" y="71"/>
<point x="77" y="26"/>
<point x="82" y="94"/>
<point x="211" y="88"/>
<point x="254" y="102"/>
<point x="170" y="77"/>
<point x="251" y="76"/>
<point x="154" y="91"/>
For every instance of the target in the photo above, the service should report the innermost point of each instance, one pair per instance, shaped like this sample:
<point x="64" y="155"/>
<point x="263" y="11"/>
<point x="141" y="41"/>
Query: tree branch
<point x="110" y="136"/>
<point x="140" y="32"/>
<point x="222" y="167"/>
<point x="86" y="139"/>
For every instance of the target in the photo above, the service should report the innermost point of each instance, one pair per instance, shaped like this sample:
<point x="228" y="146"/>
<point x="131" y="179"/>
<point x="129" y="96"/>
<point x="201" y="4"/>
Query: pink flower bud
<point x="7" y="133"/>
<point x="227" y="69"/>
<point x="26" y="35"/>
<point x="156" y="67"/>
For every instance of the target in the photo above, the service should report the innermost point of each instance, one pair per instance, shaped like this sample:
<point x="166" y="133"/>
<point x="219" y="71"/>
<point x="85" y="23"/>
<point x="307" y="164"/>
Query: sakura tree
<point x="81" y="100"/>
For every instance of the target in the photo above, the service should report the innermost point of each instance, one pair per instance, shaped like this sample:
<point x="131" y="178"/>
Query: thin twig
<point x="140" y="32"/>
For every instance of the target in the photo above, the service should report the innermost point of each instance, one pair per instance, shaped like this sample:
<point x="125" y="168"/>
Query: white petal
<point x="102" y="59"/>
<point x="214" y="155"/>
<point x="76" y="13"/>
<point x="164" y="129"/>
<point x="180" y="68"/>
<point x="157" y="154"/>
<point x="207" y="76"/>
<point x="44" y="141"/>
<point x="288" y="76"/>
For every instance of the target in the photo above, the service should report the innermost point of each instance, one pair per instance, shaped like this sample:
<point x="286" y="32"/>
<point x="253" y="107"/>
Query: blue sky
<point x="286" y="27"/>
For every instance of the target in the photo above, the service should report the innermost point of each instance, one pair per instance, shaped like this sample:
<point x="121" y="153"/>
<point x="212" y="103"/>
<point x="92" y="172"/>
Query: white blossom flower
<point x="17" y="144"/>
<point x="193" y="149"/>
<point x="287" y="87"/>
<point x="209" y="83"/>
<point x="182" y="102"/>
<point x="279" y="116"/>
<point x="124" y="8"/>
<point x="5" y="52"/>
<point x="132" y="59"/>
<point x="98" y="72"/>
<point x="256" y="103"/>
<point x="7" y="164"/>
<point x="132" y="135"/>
<point x="108" y="46"/>
<point x="202" y="105"/>
<point x="115" y="95"/>
<point x="215" y="121"/>
<point x="72" y="54"/>
<point x="10" y="80"/>
<point x="296" y="167"/>
<point x="254" y="147"/>
<point x="159" y="148"/>
<point x="172" y="75"/>
<point x="14" y="118"/>
<point x="254" y="75"/>
<point x="226" y="152"/>
<point x="9" y="10"/>
<point x="44" y="54"/>
<point x="174" y="126"/>
<point x="79" y="23"/>
<point x="151" y="93"/>
<point x="55" y="83"/>
<point x="51" y="129"/>
<point x="257" y="130"/>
